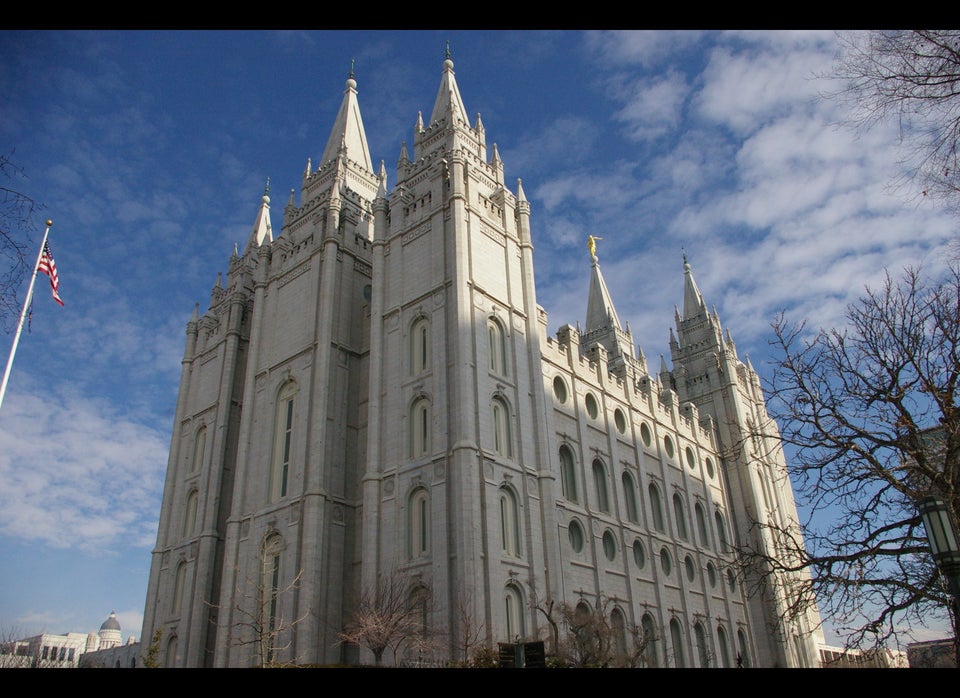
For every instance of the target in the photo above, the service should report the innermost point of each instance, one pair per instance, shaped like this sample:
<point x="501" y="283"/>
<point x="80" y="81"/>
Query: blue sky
<point x="151" y="151"/>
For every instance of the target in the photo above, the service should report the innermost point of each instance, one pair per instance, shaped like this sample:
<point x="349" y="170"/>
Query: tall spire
<point x="348" y="130"/>
<point x="600" y="311"/>
<point x="692" y="300"/>
<point x="449" y="103"/>
<point x="262" y="229"/>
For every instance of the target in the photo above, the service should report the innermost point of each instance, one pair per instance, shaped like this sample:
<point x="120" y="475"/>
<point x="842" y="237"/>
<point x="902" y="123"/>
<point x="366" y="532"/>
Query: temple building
<point x="372" y="401"/>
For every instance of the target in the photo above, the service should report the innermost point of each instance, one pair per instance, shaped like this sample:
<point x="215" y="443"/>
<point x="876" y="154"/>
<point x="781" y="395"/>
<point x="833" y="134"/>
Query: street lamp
<point x="944" y="545"/>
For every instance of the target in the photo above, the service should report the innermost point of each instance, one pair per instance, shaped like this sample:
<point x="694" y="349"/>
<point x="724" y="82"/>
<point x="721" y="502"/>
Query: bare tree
<point x="391" y="616"/>
<point x="471" y="631"/>
<point x="870" y="415"/>
<point x="914" y="77"/>
<point x="17" y="211"/>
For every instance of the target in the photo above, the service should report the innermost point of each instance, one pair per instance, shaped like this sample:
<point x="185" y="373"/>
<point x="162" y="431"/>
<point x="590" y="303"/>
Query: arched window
<point x="509" y="530"/>
<point x="419" y="526"/>
<point x="513" y="609"/>
<point x="630" y="497"/>
<point x="680" y="515"/>
<point x="702" y="525"/>
<point x="498" y="347"/>
<point x="655" y="509"/>
<point x="700" y="637"/>
<point x="419" y="602"/>
<point x="419" y="346"/>
<point x="649" y="641"/>
<point x="179" y="582"/>
<point x="568" y="475"/>
<point x="502" y="437"/>
<point x="724" y="648"/>
<point x="420" y="428"/>
<point x="743" y="656"/>
<point x="618" y="631"/>
<point x="270" y="583"/>
<point x="282" y="441"/>
<point x="190" y="517"/>
<point x="199" y="445"/>
<point x="600" y="481"/>
<point x="722" y="532"/>
<point x="170" y="660"/>
<point x="676" y="640"/>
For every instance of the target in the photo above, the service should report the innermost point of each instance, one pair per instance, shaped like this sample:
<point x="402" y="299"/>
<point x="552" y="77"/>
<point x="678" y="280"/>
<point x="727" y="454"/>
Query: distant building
<point x="841" y="658"/>
<point x="933" y="654"/>
<point x="60" y="651"/>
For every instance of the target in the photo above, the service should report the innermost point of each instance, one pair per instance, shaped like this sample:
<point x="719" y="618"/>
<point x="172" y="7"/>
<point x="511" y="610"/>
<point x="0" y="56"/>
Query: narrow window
<point x="170" y="660"/>
<point x="568" y="476"/>
<point x="700" y="637"/>
<point x="420" y="428"/>
<point x="283" y="441"/>
<point x="420" y="346"/>
<point x="676" y="639"/>
<point x="721" y="533"/>
<point x="513" y="605"/>
<point x="600" y="480"/>
<point x="501" y="428"/>
<point x="702" y="525"/>
<point x="649" y="641"/>
<point x="270" y="585"/>
<point x="419" y="526"/>
<point x="198" y="449"/>
<point x="630" y="497"/>
<point x="509" y="531"/>
<point x="655" y="508"/>
<point x="178" y="584"/>
<point x="680" y="516"/>
<point x="724" y="649"/>
<point x="498" y="353"/>
<point x="190" y="518"/>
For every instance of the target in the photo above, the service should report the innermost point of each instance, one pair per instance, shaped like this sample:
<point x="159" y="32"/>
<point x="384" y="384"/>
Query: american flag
<point x="49" y="267"/>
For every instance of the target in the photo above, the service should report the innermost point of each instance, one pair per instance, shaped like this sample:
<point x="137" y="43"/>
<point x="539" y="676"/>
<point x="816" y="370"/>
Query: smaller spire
<point x="306" y="172"/>
<point x="418" y="127"/>
<point x="495" y="159"/>
<point x="521" y="196"/>
<point x="196" y="312"/>
<point x="479" y="127"/>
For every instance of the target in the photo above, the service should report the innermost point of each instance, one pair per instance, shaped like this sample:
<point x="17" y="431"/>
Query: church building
<point x="372" y="406"/>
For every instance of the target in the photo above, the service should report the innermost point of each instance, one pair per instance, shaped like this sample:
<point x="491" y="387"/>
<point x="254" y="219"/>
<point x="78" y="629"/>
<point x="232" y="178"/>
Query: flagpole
<point x="23" y="315"/>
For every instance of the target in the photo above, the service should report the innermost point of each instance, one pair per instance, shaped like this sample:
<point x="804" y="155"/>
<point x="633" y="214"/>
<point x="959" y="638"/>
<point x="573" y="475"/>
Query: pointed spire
<point x="479" y="125"/>
<point x="495" y="158"/>
<point x="236" y="251"/>
<point x="404" y="156"/>
<point x="262" y="228"/>
<point x="448" y="104"/>
<point x="692" y="300"/>
<point x="306" y="172"/>
<point x="521" y="196"/>
<point x="196" y="312"/>
<point x="292" y="201"/>
<point x="348" y="132"/>
<point x="418" y="127"/>
<point x="600" y="311"/>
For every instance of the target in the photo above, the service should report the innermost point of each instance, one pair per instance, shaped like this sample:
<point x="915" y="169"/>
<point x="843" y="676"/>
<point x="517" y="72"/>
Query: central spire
<point x="448" y="104"/>
<point x="348" y="130"/>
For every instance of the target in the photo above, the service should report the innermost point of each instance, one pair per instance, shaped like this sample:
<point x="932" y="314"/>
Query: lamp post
<point x="944" y="544"/>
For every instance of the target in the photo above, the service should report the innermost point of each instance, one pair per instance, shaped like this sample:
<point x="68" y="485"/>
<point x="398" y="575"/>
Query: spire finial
<point x="352" y="60"/>
<point x="592" y="245"/>
<point x="266" y="189"/>
<point x="446" y="54"/>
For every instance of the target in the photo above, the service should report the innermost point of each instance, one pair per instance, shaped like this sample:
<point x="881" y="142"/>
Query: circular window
<point x="731" y="580"/>
<point x="668" y="446"/>
<point x="645" y="434"/>
<point x="691" y="461"/>
<point x="691" y="570"/>
<point x="639" y="556"/>
<point x="560" y="390"/>
<point x="620" y="420"/>
<point x="712" y="575"/>
<point x="665" y="562"/>
<point x="576" y="536"/>
<point x="592" y="408"/>
<point x="710" y="468"/>
<point x="609" y="546"/>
